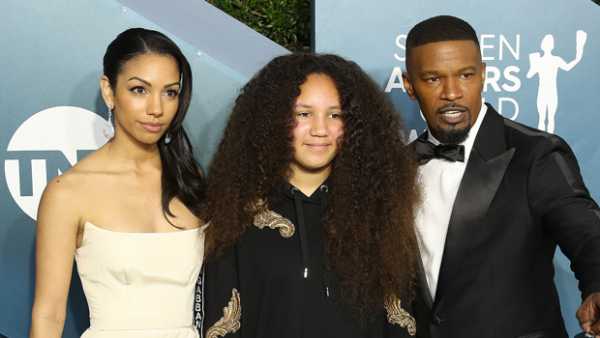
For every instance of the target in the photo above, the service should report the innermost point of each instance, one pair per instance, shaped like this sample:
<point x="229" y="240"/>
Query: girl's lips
<point x="317" y="146"/>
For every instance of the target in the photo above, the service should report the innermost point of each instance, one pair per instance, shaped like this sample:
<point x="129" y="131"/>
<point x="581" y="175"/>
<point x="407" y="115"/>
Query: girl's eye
<point x="138" y="90"/>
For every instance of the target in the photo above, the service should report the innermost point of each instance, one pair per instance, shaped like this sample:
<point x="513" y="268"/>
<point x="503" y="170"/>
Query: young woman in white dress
<point x="129" y="212"/>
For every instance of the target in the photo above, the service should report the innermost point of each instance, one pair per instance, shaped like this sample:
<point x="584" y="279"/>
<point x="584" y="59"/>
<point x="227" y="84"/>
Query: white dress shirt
<point x="439" y="180"/>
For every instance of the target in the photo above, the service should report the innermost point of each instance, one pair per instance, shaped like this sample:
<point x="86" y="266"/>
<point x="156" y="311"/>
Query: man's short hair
<point x="440" y="28"/>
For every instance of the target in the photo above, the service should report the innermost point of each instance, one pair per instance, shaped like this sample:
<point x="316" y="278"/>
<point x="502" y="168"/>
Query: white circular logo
<point x="47" y="144"/>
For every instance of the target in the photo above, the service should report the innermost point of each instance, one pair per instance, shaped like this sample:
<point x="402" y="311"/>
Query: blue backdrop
<point x="51" y="62"/>
<point x="511" y="34"/>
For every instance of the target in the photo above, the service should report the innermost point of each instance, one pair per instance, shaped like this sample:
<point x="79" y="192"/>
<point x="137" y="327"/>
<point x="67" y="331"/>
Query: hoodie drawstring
<point x="303" y="234"/>
<point x="327" y="276"/>
<point x="302" y="231"/>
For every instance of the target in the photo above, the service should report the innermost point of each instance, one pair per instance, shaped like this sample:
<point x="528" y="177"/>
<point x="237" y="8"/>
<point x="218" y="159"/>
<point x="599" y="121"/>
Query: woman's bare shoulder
<point x="75" y="183"/>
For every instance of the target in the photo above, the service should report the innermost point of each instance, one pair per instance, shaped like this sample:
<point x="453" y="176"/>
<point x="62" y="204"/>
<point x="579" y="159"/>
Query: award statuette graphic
<point x="546" y="66"/>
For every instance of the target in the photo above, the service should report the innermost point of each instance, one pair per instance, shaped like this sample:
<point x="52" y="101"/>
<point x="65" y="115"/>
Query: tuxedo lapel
<point x="485" y="169"/>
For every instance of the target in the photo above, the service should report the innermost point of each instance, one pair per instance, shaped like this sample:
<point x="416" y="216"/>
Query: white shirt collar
<point x="470" y="140"/>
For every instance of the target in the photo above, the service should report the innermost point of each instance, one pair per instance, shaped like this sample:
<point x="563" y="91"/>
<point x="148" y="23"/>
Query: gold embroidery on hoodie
<point x="230" y="322"/>
<point x="272" y="220"/>
<point x="396" y="315"/>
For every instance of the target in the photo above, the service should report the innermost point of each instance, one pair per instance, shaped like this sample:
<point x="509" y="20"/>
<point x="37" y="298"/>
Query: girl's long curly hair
<point x="369" y="226"/>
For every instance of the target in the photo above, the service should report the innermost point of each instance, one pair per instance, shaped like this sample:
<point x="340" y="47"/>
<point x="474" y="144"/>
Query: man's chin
<point x="452" y="136"/>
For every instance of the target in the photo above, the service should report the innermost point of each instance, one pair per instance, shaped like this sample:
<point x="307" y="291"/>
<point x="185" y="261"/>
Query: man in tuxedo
<point x="498" y="197"/>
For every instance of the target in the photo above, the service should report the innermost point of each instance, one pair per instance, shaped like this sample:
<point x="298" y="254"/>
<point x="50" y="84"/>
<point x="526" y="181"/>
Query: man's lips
<point x="453" y="114"/>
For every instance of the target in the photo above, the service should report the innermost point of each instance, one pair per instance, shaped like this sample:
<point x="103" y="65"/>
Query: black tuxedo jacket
<point x="521" y="195"/>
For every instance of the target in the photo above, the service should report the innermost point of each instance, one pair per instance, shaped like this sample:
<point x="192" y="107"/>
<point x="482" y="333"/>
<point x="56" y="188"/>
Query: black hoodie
<point x="283" y="286"/>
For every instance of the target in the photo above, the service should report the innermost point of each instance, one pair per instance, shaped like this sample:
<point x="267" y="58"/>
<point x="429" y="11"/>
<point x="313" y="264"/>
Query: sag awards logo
<point x="504" y="81"/>
<point x="47" y="144"/>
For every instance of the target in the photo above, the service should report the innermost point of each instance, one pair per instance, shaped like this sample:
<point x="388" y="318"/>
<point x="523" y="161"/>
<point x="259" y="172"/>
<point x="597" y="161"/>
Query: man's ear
<point x="483" y="72"/>
<point x="408" y="85"/>
<point x="107" y="92"/>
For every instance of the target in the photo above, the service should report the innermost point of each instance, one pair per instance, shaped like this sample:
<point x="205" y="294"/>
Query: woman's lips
<point x="152" y="127"/>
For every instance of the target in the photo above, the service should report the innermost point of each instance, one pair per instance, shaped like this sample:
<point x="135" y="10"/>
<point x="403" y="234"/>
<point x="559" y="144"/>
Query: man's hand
<point x="589" y="314"/>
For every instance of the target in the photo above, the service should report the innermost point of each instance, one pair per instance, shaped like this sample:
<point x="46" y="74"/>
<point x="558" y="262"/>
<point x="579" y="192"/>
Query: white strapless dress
<point x="140" y="284"/>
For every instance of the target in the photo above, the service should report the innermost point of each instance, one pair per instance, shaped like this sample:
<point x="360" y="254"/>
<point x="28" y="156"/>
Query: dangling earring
<point x="167" y="139"/>
<point x="111" y="131"/>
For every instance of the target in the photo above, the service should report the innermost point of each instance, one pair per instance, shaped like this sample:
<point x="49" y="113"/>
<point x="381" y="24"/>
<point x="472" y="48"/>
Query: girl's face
<point x="145" y="98"/>
<point x="318" y="125"/>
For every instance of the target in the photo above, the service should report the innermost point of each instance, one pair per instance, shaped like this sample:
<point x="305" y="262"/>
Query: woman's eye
<point x="138" y="90"/>
<point x="172" y="93"/>
<point x="302" y="114"/>
<point x="336" y="115"/>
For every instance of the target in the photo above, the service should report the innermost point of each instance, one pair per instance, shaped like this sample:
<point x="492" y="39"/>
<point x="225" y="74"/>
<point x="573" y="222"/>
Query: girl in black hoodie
<point x="310" y="201"/>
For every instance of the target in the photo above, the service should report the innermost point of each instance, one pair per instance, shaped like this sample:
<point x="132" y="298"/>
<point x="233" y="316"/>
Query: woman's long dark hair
<point x="369" y="226"/>
<point x="181" y="176"/>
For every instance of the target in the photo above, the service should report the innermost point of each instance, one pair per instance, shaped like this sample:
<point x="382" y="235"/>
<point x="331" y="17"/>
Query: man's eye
<point x="467" y="75"/>
<point x="432" y="79"/>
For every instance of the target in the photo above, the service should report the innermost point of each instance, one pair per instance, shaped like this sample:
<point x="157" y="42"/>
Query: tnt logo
<point x="46" y="145"/>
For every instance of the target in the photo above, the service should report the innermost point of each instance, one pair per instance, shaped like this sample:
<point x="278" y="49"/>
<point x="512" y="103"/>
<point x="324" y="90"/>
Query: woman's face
<point x="318" y="125"/>
<point x="145" y="98"/>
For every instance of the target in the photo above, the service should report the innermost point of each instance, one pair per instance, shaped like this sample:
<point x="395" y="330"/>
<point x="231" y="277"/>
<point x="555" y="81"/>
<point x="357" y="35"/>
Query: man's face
<point x="446" y="78"/>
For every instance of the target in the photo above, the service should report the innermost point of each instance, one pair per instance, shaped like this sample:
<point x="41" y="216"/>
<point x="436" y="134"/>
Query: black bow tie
<point x="426" y="150"/>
